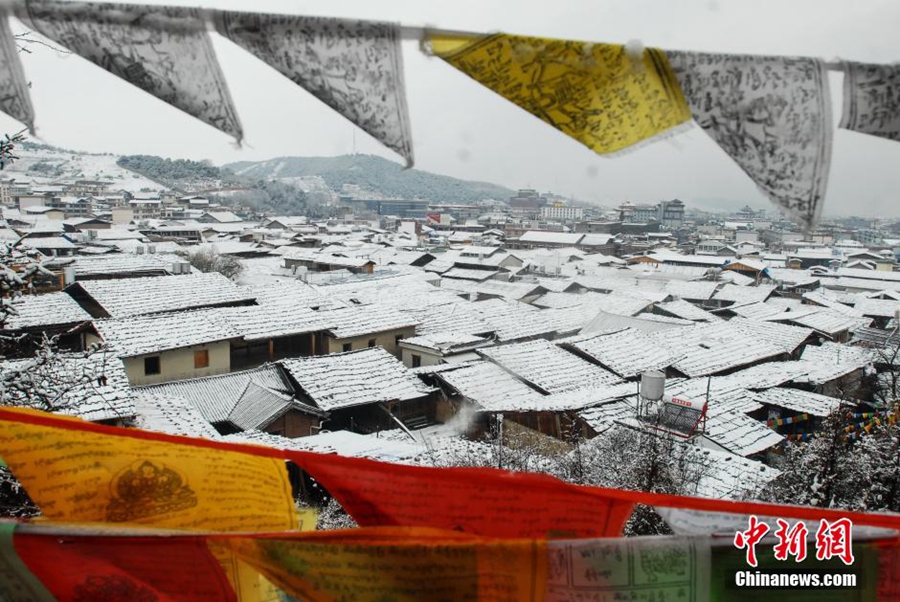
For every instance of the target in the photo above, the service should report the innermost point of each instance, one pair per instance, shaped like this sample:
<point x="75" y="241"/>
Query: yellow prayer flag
<point x="82" y="476"/>
<point x="594" y="93"/>
<point x="399" y="564"/>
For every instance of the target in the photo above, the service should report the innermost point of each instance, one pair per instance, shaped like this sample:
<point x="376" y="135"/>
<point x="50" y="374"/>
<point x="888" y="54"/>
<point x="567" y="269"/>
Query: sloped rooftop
<point x="44" y="311"/>
<point x="627" y="352"/>
<point x="342" y="380"/>
<point x="549" y="367"/>
<point x="159" y="294"/>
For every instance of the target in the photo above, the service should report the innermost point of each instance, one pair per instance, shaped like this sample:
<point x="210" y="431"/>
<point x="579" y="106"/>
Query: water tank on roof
<point x="69" y="275"/>
<point x="139" y="249"/>
<point x="653" y="384"/>
<point x="151" y="248"/>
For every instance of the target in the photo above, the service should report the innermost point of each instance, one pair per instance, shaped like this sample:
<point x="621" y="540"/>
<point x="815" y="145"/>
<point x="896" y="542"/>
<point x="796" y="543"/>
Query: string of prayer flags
<point x="355" y="67"/>
<point x="772" y="115"/>
<point x="595" y="93"/>
<point x="872" y="99"/>
<point x="65" y="463"/>
<point x="81" y="475"/>
<point x="789" y="420"/>
<point x="163" y="50"/>
<point x="14" y="98"/>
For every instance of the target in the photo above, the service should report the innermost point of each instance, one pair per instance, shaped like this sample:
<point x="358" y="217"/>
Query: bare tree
<point x="207" y="259"/>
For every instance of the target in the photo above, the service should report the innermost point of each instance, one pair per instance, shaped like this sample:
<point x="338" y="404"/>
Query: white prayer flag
<point x="872" y="99"/>
<point x="355" y="67"/>
<point x="163" y="50"/>
<point x="772" y="115"/>
<point x="14" y="98"/>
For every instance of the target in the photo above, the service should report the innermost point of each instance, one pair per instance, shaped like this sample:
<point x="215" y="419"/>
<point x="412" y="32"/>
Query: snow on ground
<point x="76" y="166"/>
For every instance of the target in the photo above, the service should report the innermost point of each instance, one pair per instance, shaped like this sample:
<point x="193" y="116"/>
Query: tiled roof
<point x="512" y="320"/>
<point x="343" y="443"/>
<point x="50" y="309"/>
<point x="607" y="322"/>
<point x="878" y="308"/>
<point x="460" y="317"/>
<point x="171" y="414"/>
<point x="358" y="320"/>
<point x="120" y="264"/>
<point x="492" y="388"/>
<point x="342" y="380"/>
<point x="257" y="322"/>
<point x="128" y="337"/>
<point x="744" y="294"/>
<point x="498" y="288"/>
<point x="787" y="338"/>
<point x="687" y="311"/>
<point x="826" y="321"/>
<point x="216" y="396"/>
<point x="797" y="400"/>
<point x="712" y="348"/>
<point x="142" y="296"/>
<point x="627" y="352"/>
<point x="691" y="290"/>
<point x="548" y="367"/>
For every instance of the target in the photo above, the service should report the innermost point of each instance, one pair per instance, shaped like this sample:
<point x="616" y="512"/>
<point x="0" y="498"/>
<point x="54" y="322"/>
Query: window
<point x="348" y="346"/>
<point x="371" y="342"/>
<point x="151" y="365"/>
<point x="397" y="339"/>
<point x="416" y="361"/>
<point x="201" y="359"/>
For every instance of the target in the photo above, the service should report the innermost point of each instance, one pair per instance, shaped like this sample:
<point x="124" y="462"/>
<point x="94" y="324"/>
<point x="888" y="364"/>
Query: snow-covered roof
<point x="469" y="274"/>
<point x="627" y="352"/>
<point x="141" y="335"/>
<point x="879" y="308"/>
<point x="686" y="310"/>
<point x="513" y="321"/>
<point x="608" y="322"/>
<point x="548" y="367"/>
<point x="43" y="311"/>
<point x="712" y="348"/>
<point x="744" y="294"/>
<point x="446" y="342"/>
<point x="804" y="402"/>
<point x="498" y="288"/>
<point x="557" y="238"/>
<point x="142" y="296"/>
<point x="492" y="388"/>
<point x="358" y="320"/>
<point x="257" y="322"/>
<point x="787" y="338"/>
<point x="171" y="414"/>
<point x="459" y="317"/>
<point x="343" y="443"/>
<point x="691" y="290"/>
<point x="825" y="321"/>
<point x="48" y="242"/>
<point x="342" y="380"/>
<point x="216" y="396"/>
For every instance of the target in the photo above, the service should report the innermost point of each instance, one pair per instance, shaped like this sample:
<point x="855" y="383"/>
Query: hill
<point x="372" y="174"/>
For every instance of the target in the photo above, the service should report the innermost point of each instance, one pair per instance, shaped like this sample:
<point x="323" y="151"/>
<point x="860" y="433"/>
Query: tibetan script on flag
<point x="594" y="93"/>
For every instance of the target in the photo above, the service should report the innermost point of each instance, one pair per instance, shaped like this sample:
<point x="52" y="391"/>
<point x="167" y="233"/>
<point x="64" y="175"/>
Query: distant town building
<point x="562" y="212"/>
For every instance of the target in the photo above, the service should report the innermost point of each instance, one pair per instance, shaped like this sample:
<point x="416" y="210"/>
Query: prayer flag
<point x="353" y="66"/>
<point x="772" y="115"/>
<point x="162" y="50"/>
<point x="595" y="93"/>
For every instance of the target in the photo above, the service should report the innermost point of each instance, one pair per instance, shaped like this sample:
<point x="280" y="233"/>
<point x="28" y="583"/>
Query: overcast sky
<point x="464" y="130"/>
